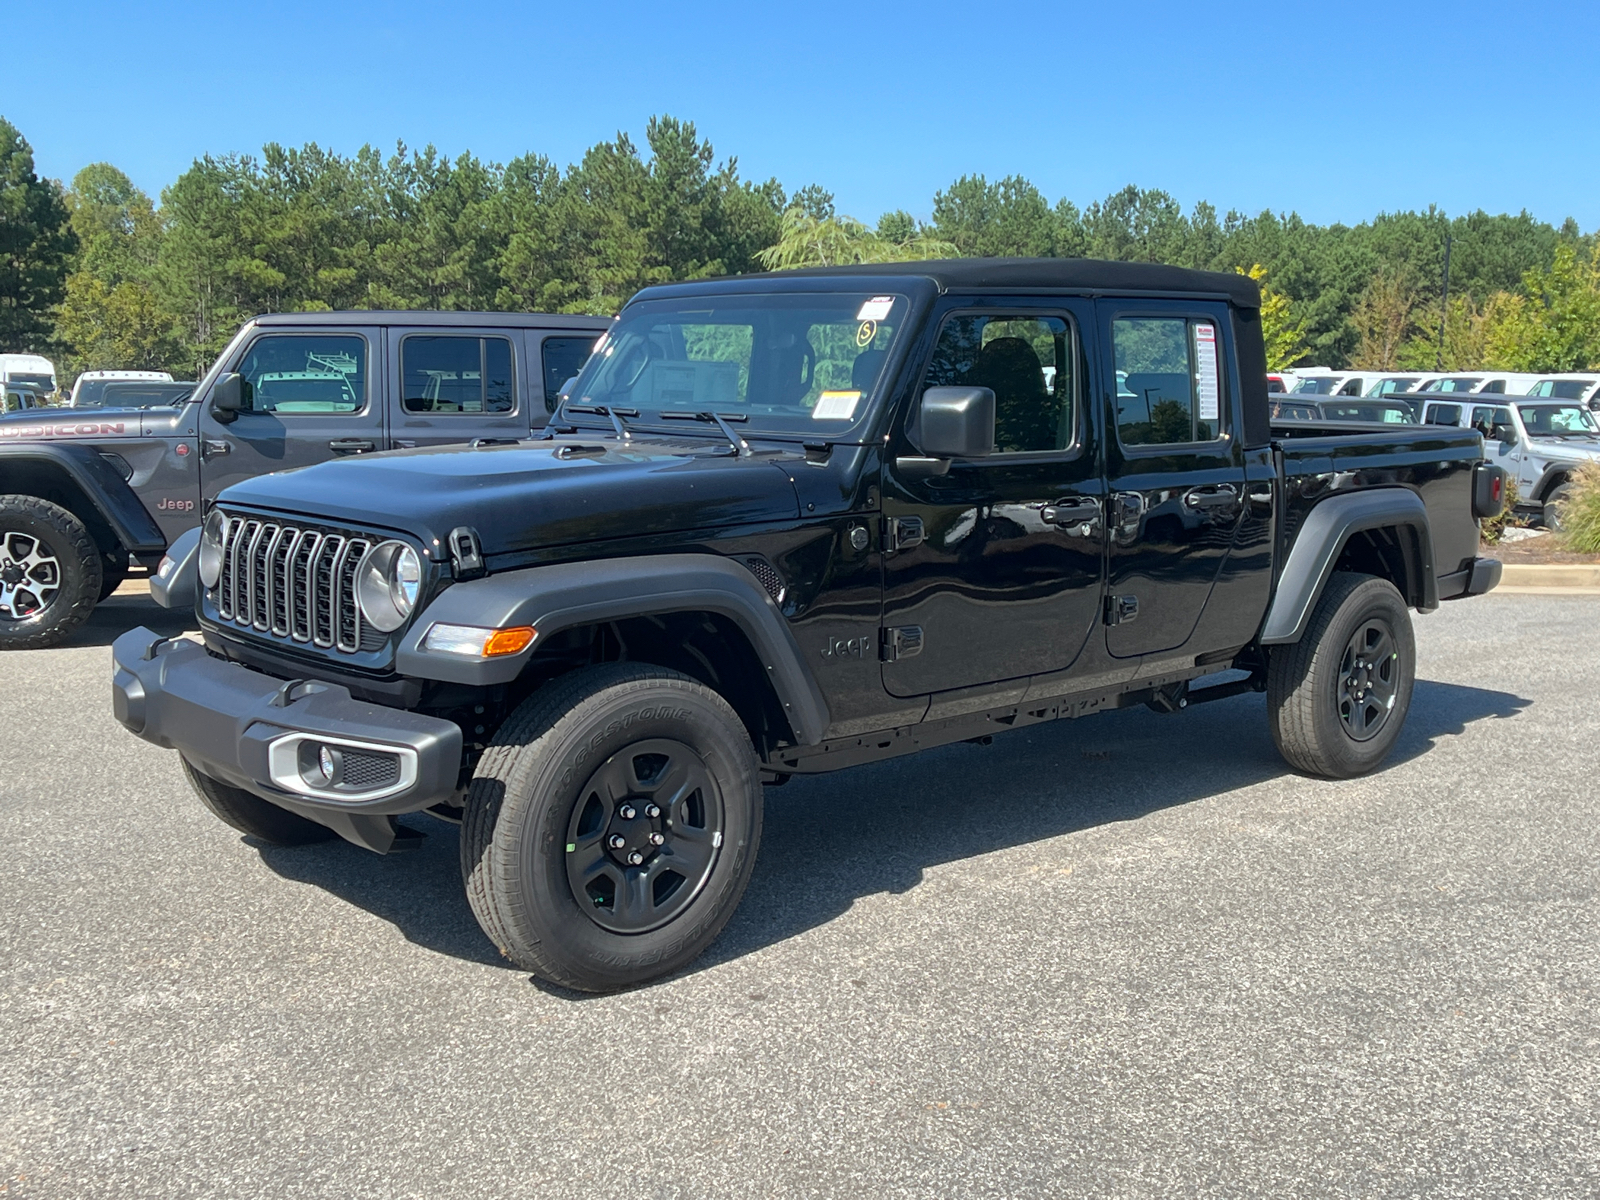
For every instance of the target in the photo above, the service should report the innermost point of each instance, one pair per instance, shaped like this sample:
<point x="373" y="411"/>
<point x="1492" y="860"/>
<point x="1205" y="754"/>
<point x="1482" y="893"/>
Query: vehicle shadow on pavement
<point x="830" y="840"/>
<point x="418" y="892"/>
<point x="115" y="615"/>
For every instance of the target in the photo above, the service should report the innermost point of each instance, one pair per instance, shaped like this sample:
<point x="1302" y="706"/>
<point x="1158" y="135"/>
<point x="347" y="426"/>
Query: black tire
<point x="1336" y="712"/>
<point x="1551" y="517"/>
<point x="40" y="541"/>
<point x="537" y="823"/>
<point x="253" y="815"/>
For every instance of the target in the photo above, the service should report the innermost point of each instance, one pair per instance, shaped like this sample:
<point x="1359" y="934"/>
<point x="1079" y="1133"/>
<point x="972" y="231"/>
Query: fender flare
<point x="564" y="595"/>
<point x="101" y="483"/>
<point x="174" y="585"/>
<point x="1319" y="542"/>
<point x="1547" y="481"/>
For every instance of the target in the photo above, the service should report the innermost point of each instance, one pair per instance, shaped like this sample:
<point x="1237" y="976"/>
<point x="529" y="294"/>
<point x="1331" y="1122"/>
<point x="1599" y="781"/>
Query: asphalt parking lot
<point x="1126" y="956"/>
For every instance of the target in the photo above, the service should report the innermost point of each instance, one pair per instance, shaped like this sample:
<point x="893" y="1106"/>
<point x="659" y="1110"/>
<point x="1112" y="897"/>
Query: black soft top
<point x="1088" y="275"/>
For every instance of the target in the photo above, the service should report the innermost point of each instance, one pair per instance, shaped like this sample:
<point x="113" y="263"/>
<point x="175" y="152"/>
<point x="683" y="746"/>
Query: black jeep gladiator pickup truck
<point x="785" y="524"/>
<point x="83" y="489"/>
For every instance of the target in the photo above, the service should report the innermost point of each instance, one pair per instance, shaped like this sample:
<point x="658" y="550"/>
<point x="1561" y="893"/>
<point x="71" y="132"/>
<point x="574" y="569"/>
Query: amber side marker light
<point x="474" y="641"/>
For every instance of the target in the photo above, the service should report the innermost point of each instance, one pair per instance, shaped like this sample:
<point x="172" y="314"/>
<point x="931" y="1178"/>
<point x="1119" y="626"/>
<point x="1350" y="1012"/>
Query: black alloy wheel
<point x="644" y="836"/>
<point x="1369" y="678"/>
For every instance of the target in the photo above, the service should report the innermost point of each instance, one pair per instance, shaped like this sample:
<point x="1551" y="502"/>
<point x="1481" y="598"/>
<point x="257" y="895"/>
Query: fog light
<point x="326" y="763"/>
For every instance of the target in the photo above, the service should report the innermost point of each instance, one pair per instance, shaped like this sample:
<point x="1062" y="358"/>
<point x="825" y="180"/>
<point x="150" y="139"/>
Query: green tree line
<point x="101" y="276"/>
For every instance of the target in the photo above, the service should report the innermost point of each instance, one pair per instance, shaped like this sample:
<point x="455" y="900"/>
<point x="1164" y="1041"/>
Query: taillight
<point x="1488" y="490"/>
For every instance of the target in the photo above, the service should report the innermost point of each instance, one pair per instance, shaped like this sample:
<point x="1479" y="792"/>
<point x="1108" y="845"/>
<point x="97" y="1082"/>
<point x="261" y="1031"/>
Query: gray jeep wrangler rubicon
<point x="787" y="524"/>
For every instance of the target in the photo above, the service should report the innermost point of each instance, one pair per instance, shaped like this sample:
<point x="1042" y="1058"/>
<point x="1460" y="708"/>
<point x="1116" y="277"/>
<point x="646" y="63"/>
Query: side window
<point x="1443" y="414"/>
<point x="299" y="374"/>
<point x="563" y="357"/>
<point x="1352" y="388"/>
<point x="456" y="375"/>
<point x="1494" y="385"/>
<point x="1169" y="384"/>
<point x="1542" y="388"/>
<point x="1027" y="362"/>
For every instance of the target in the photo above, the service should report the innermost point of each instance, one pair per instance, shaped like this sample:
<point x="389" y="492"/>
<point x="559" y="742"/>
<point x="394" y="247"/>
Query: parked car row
<point x="1324" y="381"/>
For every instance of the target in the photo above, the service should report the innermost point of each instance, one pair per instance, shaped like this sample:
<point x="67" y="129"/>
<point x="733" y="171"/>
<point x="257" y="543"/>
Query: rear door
<point x="456" y="385"/>
<point x="1176" y="471"/>
<point x="308" y="397"/>
<point x="560" y="355"/>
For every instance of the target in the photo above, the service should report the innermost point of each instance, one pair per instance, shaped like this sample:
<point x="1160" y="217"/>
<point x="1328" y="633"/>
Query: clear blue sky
<point x="1336" y="110"/>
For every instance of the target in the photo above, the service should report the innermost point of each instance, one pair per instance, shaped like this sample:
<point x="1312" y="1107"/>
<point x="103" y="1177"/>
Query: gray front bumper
<point x="237" y="725"/>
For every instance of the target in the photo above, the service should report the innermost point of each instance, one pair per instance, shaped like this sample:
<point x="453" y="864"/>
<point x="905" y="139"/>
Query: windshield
<point x="44" y="383"/>
<point x="1557" y="420"/>
<point x="1322" y="386"/>
<point x="137" y="395"/>
<point x="1385" y="387"/>
<point x="798" y="363"/>
<point x="1387" y="414"/>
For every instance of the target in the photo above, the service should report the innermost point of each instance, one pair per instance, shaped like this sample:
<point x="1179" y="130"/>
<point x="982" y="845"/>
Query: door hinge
<point x="1121" y="609"/>
<point x="901" y="641"/>
<point x="901" y="533"/>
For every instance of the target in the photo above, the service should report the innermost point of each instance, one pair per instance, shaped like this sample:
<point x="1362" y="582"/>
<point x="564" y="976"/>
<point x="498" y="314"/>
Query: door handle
<point x="1077" y="518"/>
<point x="215" y="448"/>
<point x="350" y="445"/>
<point x="1219" y="496"/>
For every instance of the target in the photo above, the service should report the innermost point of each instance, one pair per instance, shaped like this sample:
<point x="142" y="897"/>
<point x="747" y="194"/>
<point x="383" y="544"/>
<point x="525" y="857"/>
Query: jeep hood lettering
<point x="534" y="494"/>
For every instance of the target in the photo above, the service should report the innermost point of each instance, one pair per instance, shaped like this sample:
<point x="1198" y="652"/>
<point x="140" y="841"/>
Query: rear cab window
<point x="1170" y="380"/>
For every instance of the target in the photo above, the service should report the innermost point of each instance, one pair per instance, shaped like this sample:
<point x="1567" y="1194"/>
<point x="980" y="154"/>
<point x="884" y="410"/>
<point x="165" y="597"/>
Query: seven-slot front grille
<point x="293" y="583"/>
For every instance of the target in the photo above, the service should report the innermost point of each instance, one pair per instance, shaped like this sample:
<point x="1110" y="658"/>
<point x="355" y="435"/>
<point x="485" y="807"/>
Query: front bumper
<point x="263" y="734"/>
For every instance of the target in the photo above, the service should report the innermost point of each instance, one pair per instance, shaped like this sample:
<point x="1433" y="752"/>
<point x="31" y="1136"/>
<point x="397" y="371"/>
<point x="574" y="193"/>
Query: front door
<point x="994" y="571"/>
<point x="1175" y="467"/>
<point x="456" y="386"/>
<point x="308" y="397"/>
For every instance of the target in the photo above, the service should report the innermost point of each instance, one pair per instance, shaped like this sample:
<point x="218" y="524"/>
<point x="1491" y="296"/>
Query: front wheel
<point x="50" y="573"/>
<point x="1554" y="508"/>
<point x="1338" y="697"/>
<point x="611" y="827"/>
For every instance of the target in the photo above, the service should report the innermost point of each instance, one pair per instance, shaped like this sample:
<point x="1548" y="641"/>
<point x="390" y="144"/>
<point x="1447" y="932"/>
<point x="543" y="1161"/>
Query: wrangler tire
<point x="1338" y="698"/>
<point x="253" y="815"/>
<point x="611" y="826"/>
<point x="50" y="573"/>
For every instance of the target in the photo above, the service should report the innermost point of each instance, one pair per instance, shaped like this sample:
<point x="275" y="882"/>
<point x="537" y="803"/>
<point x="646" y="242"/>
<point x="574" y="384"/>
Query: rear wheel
<point x="1338" y="697"/>
<point x="50" y="573"/>
<point x="611" y="827"/>
<point x="251" y="814"/>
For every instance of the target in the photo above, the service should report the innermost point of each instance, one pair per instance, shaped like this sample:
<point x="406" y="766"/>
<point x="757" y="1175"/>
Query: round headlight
<point x="211" y="548"/>
<point x="387" y="583"/>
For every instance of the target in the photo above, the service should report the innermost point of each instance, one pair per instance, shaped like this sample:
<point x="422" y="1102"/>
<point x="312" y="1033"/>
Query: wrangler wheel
<point x="50" y="573"/>
<point x="611" y="827"/>
<point x="1338" y="697"/>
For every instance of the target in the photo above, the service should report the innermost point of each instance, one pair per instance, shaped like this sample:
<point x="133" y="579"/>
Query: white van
<point x="1504" y="383"/>
<point x="86" y="392"/>
<point x="1571" y="386"/>
<point x="31" y="370"/>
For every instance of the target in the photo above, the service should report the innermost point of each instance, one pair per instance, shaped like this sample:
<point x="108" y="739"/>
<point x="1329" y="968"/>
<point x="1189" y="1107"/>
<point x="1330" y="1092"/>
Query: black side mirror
<point x="227" y="397"/>
<point x="954" y="422"/>
<point x="1504" y="432"/>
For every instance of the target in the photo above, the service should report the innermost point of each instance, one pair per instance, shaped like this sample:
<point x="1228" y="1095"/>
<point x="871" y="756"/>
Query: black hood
<point x="535" y="494"/>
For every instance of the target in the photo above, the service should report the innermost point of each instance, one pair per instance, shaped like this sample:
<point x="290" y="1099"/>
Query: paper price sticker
<point x="876" y="309"/>
<point x="1207" y="385"/>
<point x="835" y="406"/>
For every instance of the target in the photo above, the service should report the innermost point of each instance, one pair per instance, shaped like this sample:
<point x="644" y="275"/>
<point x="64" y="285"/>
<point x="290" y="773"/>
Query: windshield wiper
<point x="740" y="446"/>
<point x="605" y="410"/>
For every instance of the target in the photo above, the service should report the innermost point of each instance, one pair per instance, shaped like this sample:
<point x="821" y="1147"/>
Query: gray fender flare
<point x="175" y="586"/>
<point x="564" y="595"/>
<point x="100" y="482"/>
<point x="1321" y="538"/>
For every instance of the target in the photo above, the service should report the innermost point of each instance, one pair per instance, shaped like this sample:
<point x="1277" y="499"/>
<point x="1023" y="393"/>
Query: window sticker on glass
<point x="835" y="406"/>
<point x="876" y="309"/>
<point x="1208" y="389"/>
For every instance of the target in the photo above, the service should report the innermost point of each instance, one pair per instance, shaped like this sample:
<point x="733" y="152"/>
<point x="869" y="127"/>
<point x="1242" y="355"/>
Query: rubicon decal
<point x="86" y="429"/>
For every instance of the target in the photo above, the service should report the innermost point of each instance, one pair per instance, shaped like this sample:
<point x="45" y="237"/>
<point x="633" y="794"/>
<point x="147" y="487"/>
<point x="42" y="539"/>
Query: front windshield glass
<point x="1322" y="386"/>
<point x="42" y="382"/>
<point x="1385" y="387"/>
<point x="139" y="395"/>
<point x="1557" y="420"/>
<point x="803" y="363"/>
